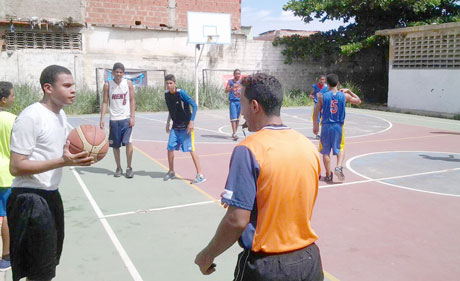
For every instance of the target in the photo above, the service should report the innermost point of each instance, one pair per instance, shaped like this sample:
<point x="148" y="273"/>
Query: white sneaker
<point x="339" y="173"/>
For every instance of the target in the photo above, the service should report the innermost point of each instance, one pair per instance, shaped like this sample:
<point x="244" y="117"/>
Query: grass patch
<point x="295" y="97"/>
<point x="148" y="99"/>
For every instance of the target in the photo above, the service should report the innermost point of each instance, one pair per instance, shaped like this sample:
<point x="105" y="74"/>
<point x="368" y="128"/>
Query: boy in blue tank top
<point x="321" y="86"/>
<point x="332" y="104"/>
<point x="234" y="92"/>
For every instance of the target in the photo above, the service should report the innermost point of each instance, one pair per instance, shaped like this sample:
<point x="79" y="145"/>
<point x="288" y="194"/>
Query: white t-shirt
<point x="119" y="100"/>
<point x="40" y="134"/>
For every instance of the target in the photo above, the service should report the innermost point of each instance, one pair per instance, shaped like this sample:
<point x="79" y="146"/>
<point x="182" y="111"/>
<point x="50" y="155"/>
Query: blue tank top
<point x="333" y="108"/>
<point x="316" y="90"/>
<point x="234" y="96"/>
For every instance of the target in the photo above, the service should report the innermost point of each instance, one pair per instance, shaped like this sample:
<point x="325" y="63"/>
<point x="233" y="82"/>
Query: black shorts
<point x="303" y="264"/>
<point x="36" y="221"/>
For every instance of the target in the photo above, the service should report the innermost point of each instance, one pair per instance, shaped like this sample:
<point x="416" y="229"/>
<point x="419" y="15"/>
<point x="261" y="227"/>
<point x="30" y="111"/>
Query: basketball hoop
<point x="213" y="38"/>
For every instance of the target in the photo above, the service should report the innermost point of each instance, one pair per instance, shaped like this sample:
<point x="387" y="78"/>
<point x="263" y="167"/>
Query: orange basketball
<point x="89" y="138"/>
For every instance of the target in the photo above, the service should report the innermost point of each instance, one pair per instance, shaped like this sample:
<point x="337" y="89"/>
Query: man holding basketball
<point x="119" y="94"/>
<point x="332" y="104"/>
<point x="39" y="150"/>
<point x="270" y="197"/>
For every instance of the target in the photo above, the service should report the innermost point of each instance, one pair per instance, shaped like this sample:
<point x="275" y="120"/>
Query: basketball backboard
<point x="209" y="28"/>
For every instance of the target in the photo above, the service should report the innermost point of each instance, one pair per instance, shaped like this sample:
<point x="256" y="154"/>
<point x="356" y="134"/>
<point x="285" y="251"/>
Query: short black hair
<point x="50" y="73"/>
<point x="5" y="89"/>
<point x="266" y="90"/>
<point x="332" y="79"/>
<point x="118" y="65"/>
<point x="234" y="71"/>
<point x="170" y="77"/>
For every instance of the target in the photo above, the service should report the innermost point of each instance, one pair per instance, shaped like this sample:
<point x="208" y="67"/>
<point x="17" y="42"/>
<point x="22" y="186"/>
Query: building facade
<point x="424" y="68"/>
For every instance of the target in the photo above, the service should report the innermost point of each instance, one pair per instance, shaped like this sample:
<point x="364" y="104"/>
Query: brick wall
<point x="154" y="13"/>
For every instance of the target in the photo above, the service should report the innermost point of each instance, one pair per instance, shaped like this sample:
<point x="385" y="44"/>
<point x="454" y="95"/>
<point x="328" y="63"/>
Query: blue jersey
<point x="333" y="108"/>
<point x="234" y="95"/>
<point x="316" y="90"/>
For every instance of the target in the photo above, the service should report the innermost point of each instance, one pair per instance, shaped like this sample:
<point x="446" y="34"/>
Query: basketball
<point x="89" y="138"/>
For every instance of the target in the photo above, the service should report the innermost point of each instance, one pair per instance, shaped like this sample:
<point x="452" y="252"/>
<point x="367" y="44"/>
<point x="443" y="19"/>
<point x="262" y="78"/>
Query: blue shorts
<point x="179" y="139"/>
<point x="235" y="110"/>
<point x="120" y="133"/>
<point x="4" y="194"/>
<point x="332" y="137"/>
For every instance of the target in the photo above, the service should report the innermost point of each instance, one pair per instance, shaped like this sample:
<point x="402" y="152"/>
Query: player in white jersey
<point x="119" y="95"/>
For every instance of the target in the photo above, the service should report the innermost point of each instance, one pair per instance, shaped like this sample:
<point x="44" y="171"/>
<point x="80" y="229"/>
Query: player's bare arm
<point x="318" y="107"/>
<point x="190" y="126"/>
<point x="20" y="165"/>
<point x="351" y="97"/>
<point x="230" y="229"/>
<point x="228" y="88"/>
<point x="168" y="124"/>
<point x="311" y="94"/>
<point x="105" y="102"/>
<point x="132" y="104"/>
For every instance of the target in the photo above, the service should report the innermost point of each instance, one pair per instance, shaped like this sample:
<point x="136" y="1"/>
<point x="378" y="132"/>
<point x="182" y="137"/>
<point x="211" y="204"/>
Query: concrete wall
<point x="49" y="9"/>
<point x="425" y="89"/>
<point x="158" y="12"/>
<point x="424" y="68"/>
<point x="168" y="51"/>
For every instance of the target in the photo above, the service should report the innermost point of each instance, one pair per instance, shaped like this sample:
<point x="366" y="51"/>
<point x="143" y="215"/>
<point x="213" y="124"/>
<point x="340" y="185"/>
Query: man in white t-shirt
<point x="119" y="95"/>
<point x="39" y="150"/>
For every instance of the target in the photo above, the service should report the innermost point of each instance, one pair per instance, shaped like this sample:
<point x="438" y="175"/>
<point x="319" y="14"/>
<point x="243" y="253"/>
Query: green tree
<point x="363" y="19"/>
<point x="356" y="37"/>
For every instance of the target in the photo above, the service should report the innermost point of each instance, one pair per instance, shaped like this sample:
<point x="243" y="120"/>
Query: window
<point x="427" y="51"/>
<point x="42" y="40"/>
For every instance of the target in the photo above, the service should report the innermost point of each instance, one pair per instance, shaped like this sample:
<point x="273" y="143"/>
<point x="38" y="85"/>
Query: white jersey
<point x="119" y="105"/>
<point x="40" y="134"/>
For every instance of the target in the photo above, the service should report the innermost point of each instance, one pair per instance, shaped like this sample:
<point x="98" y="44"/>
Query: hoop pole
<point x="197" y="61"/>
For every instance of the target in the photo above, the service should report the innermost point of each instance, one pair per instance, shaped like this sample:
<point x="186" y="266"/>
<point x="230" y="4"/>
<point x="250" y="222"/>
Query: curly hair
<point x="266" y="90"/>
<point x="5" y="89"/>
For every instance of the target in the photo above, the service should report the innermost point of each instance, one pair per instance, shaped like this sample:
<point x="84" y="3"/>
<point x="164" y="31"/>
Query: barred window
<point x="427" y="51"/>
<point x="42" y="40"/>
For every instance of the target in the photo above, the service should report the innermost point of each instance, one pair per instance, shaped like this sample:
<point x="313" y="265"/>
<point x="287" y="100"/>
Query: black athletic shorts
<point x="36" y="221"/>
<point x="300" y="265"/>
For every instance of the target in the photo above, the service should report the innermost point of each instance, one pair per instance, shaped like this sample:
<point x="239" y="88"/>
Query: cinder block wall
<point x="155" y="13"/>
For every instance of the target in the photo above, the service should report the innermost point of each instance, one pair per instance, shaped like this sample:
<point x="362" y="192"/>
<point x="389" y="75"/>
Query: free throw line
<point x="121" y="251"/>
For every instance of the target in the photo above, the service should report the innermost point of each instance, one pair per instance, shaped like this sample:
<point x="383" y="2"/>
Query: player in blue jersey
<point x="321" y="86"/>
<point x="234" y="92"/>
<point x="181" y="135"/>
<point x="332" y="104"/>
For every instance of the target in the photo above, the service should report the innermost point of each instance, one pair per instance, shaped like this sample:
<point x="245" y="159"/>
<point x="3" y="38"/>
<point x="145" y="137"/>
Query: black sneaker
<point x="328" y="179"/>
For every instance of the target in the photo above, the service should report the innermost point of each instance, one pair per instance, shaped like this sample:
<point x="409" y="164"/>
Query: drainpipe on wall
<point x="172" y="13"/>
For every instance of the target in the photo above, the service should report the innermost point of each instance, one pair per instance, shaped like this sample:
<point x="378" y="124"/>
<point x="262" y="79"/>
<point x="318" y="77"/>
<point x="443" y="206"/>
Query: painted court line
<point x="390" y="178"/>
<point x="381" y="180"/>
<point x="230" y="141"/>
<point x="158" y="209"/>
<point x="164" y="122"/>
<point x="177" y="175"/>
<point x="390" y="125"/>
<point x="327" y="274"/>
<point x="121" y="251"/>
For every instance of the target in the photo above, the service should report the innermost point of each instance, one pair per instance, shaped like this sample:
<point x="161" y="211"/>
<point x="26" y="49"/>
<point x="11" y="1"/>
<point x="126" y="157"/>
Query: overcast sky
<point x="265" y="15"/>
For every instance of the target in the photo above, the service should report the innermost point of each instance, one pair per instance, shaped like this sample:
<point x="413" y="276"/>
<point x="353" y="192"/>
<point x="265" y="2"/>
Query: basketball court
<point x="394" y="218"/>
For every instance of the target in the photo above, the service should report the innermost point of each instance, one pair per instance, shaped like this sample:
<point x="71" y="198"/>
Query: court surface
<point x="396" y="217"/>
